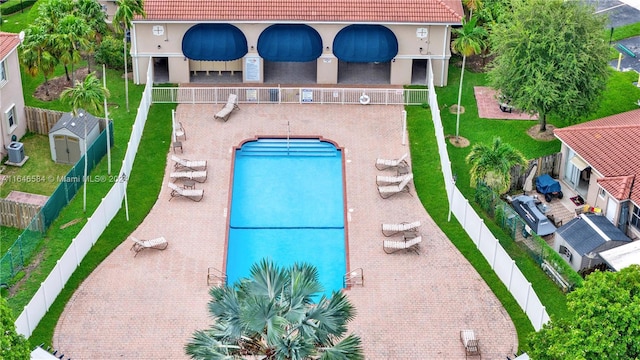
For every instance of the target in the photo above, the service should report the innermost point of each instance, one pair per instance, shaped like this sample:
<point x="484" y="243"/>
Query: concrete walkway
<point x="411" y="306"/>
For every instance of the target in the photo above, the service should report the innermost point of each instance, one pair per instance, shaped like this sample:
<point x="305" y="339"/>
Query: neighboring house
<point x="601" y="163"/>
<point x="320" y="42"/>
<point x="12" y="119"/>
<point x="581" y="240"/>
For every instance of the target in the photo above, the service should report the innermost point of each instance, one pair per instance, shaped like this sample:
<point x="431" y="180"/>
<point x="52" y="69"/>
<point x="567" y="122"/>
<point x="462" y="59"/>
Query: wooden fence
<point x="40" y="121"/>
<point x="19" y="215"/>
<point x="548" y="164"/>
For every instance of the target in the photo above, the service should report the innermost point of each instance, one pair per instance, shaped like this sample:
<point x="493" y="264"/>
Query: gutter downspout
<point x="134" y="54"/>
<point x="444" y="52"/>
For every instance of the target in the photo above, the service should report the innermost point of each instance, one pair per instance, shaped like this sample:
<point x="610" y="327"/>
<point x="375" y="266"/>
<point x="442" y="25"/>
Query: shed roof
<point x="622" y="256"/>
<point x="367" y="11"/>
<point x="76" y="124"/>
<point x="588" y="232"/>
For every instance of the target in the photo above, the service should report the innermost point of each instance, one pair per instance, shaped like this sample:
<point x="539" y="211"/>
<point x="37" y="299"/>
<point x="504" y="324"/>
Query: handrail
<point x="216" y="277"/>
<point x="354" y="277"/>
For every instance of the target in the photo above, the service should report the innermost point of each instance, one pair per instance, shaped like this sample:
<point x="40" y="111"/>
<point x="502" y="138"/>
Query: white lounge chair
<point x="159" y="243"/>
<point x="199" y="176"/>
<point x="385" y="179"/>
<point x="471" y="344"/>
<point x="225" y="112"/>
<point x="188" y="164"/>
<point x="382" y="164"/>
<point x="178" y="131"/>
<point x="390" y="190"/>
<point x="409" y="244"/>
<point x="191" y="194"/>
<point x="392" y="229"/>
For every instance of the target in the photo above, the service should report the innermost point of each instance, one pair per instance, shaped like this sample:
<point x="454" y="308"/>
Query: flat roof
<point x="622" y="256"/>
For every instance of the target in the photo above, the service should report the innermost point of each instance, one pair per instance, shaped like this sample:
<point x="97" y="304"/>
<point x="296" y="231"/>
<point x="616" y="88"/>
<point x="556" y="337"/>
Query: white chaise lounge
<point x="225" y="112"/>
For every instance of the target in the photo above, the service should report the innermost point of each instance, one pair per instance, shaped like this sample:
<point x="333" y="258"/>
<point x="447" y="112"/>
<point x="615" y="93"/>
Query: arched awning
<point x="290" y="42"/>
<point x="365" y="43"/>
<point x="214" y="42"/>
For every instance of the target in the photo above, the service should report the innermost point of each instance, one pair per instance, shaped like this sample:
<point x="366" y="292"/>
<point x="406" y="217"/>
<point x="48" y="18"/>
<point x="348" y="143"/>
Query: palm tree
<point x="88" y="95"/>
<point x="470" y="40"/>
<point x="492" y="164"/>
<point x="35" y="56"/>
<point x="472" y="5"/>
<point x="70" y="39"/>
<point x="95" y="17"/>
<point x="272" y="314"/>
<point x="123" y="17"/>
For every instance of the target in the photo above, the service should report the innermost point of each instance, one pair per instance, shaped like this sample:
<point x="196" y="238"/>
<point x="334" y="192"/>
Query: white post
<point x="404" y="127"/>
<point x="619" y="61"/>
<point x="106" y="117"/>
<point x="173" y="125"/>
<point x="86" y="162"/>
<point x="464" y="59"/>
<point x="453" y="187"/>
<point x="125" y="181"/>
<point x="126" y="72"/>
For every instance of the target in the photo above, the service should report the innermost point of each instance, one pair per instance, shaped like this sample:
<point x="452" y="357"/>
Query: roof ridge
<point x="451" y="10"/>
<point x="593" y="127"/>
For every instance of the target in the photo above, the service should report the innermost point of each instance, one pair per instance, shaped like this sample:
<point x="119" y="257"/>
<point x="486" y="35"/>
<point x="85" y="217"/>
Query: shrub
<point x="11" y="7"/>
<point x="110" y="53"/>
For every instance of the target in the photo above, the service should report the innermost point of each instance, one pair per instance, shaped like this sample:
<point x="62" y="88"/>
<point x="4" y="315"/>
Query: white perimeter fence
<point x="488" y="245"/>
<point x="89" y="234"/>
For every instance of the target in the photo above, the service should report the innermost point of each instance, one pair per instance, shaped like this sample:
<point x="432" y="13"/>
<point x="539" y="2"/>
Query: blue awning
<point x="214" y="42"/>
<point x="290" y="42"/>
<point x="365" y="43"/>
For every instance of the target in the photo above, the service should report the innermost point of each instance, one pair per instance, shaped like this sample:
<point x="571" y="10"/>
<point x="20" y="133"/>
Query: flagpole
<point x="106" y="117"/>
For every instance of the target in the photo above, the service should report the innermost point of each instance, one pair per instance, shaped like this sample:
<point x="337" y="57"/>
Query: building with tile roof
<point x="13" y="125"/>
<point x="600" y="164"/>
<point x="293" y="42"/>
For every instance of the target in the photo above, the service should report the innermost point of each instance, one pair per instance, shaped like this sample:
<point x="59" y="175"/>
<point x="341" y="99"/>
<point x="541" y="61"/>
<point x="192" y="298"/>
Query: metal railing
<point x="290" y="95"/>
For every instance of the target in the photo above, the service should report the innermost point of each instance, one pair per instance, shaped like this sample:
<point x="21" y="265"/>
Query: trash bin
<point x="273" y="95"/>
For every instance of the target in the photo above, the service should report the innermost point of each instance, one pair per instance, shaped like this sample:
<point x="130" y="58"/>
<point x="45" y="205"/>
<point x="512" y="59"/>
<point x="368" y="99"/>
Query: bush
<point x="109" y="52"/>
<point x="11" y="7"/>
<point x="12" y="344"/>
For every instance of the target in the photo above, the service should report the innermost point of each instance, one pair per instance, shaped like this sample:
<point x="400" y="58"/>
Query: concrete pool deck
<point x="410" y="307"/>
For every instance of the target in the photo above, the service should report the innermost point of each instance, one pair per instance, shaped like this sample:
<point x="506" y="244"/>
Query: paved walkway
<point x="411" y="306"/>
<point x="489" y="107"/>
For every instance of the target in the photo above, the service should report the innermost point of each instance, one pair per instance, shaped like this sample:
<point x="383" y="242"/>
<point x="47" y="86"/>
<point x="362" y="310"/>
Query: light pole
<point x="86" y="162"/>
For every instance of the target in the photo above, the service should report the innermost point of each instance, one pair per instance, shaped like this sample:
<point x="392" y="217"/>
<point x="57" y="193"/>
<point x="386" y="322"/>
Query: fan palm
<point x="122" y="19"/>
<point x="35" y="57"/>
<point x="470" y="40"/>
<point x="272" y="314"/>
<point x="492" y="164"/>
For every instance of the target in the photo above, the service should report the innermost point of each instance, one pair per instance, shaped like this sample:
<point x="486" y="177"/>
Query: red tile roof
<point x="8" y="42"/>
<point x="610" y="146"/>
<point x="375" y="11"/>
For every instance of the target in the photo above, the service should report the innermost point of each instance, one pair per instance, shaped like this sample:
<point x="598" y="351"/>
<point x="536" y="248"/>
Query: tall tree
<point x="492" y="164"/>
<point x="36" y="57"/>
<point x="50" y="14"/>
<point x="272" y="314"/>
<point x="603" y="321"/>
<point x="12" y="345"/>
<point x="551" y="58"/>
<point x="127" y="10"/>
<point x="91" y="11"/>
<point x="70" y="39"/>
<point x="472" y="5"/>
<point x="470" y="40"/>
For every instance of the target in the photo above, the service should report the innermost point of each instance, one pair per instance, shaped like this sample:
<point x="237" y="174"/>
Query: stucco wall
<point x="11" y="95"/>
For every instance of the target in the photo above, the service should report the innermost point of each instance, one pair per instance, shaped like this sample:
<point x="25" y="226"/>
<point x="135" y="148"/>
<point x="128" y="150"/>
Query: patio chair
<point x="471" y="344"/>
<point x="159" y="243"/>
<point x="188" y="164"/>
<point x="392" y="229"/>
<point x="382" y="164"/>
<point x="385" y="179"/>
<point x="199" y="176"/>
<point x="409" y="243"/>
<point x="225" y="112"/>
<point x="191" y="194"/>
<point x="390" y="190"/>
<point x="178" y="131"/>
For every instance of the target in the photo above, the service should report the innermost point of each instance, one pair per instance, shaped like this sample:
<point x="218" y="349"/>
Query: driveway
<point x="410" y="307"/>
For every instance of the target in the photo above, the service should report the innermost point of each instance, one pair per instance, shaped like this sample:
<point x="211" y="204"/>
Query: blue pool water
<point x="287" y="204"/>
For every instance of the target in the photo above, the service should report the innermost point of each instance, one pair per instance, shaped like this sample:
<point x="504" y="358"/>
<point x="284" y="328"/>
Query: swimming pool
<point x="287" y="204"/>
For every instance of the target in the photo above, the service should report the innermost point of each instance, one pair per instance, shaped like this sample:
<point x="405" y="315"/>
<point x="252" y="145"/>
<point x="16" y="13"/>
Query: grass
<point x="624" y="32"/>
<point x="16" y="22"/>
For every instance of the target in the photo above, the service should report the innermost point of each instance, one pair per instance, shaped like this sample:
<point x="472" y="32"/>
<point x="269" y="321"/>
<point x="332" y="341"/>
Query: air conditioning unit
<point x="16" y="152"/>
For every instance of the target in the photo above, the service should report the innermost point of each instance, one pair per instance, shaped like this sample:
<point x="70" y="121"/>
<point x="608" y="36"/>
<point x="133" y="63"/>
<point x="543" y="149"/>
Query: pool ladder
<point x="353" y="278"/>
<point x="216" y="277"/>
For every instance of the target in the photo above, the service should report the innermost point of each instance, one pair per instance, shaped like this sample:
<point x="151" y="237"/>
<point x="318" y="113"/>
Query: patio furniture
<point x="159" y="243"/>
<point x="410" y="242"/>
<point x="382" y="164"/>
<point x="178" y="131"/>
<point x="177" y="144"/>
<point x="191" y="194"/>
<point x="390" y="190"/>
<point x="353" y="278"/>
<point x="199" y="176"/>
<point x="188" y="164"/>
<point x="471" y="344"/>
<point x="225" y="112"/>
<point x="384" y="179"/>
<point x="392" y="229"/>
<point x="216" y="277"/>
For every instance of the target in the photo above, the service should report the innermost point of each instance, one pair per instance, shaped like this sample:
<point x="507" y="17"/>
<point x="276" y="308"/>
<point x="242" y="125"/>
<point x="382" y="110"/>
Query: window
<point x="3" y="72"/>
<point x="564" y="251"/>
<point x="11" y="118"/>
<point x="602" y="193"/>
<point x="635" y="217"/>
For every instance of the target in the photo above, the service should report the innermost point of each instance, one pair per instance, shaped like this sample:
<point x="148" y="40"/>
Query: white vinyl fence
<point x="488" y="245"/>
<point x="89" y="234"/>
